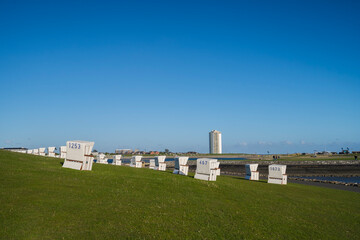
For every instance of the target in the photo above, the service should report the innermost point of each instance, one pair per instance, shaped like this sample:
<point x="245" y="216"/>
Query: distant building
<point x="153" y="153"/>
<point x="215" y="145"/>
<point x="123" y="151"/>
<point x="193" y="153"/>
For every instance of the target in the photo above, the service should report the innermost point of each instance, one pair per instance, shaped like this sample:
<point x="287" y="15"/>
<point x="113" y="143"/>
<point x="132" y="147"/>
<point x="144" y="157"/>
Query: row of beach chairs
<point x="277" y="173"/>
<point x="158" y="163"/>
<point x="50" y="151"/>
<point x="78" y="156"/>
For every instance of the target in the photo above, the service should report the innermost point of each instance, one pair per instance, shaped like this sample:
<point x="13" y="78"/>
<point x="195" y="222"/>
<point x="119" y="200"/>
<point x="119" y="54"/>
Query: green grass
<point x="41" y="200"/>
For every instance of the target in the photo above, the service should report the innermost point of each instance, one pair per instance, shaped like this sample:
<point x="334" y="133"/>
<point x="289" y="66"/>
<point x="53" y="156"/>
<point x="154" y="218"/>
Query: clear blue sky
<point x="278" y="76"/>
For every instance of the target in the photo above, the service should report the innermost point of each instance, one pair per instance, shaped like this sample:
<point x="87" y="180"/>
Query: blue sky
<point x="278" y="76"/>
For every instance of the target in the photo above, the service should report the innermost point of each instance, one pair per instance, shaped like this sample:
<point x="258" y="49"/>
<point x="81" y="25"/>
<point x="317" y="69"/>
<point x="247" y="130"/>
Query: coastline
<point x="295" y="170"/>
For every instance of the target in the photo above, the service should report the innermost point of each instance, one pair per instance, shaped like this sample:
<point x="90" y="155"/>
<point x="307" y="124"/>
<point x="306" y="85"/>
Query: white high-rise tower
<point x="215" y="144"/>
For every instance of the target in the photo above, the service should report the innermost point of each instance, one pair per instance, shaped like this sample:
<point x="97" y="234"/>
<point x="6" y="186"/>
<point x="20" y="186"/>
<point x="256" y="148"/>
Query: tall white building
<point x="215" y="144"/>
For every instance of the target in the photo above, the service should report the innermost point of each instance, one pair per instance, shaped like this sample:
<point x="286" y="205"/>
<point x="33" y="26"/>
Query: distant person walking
<point x="355" y="157"/>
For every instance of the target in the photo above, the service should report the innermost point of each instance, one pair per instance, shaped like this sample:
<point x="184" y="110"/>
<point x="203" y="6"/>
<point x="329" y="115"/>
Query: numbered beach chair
<point x="251" y="172"/>
<point x="36" y="151"/>
<point x="277" y="174"/>
<point x="207" y="169"/>
<point x="152" y="163"/>
<point x="29" y="151"/>
<point x="51" y="152"/>
<point x="181" y="166"/>
<point x="117" y="160"/>
<point x="160" y="163"/>
<point x="78" y="155"/>
<point x="62" y="152"/>
<point x="136" y="162"/>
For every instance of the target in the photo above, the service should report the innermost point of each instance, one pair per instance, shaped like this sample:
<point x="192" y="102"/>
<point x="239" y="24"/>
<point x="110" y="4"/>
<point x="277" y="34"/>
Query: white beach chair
<point x="117" y="160"/>
<point x="35" y="151"/>
<point x="51" y="152"/>
<point x="42" y="151"/>
<point x="78" y="155"/>
<point x="101" y="159"/>
<point x="207" y="169"/>
<point x="251" y="172"/>
<point x="181" y="166"/>
<point x="277" y="174"/>
<point x="136" y="162"/>
<point x="62" y="152"/>
<point x="160" y="163"/>
<point x="152" y="163"/>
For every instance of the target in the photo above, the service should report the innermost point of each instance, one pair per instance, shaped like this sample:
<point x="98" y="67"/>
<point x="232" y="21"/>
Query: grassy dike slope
<point x="41" y="200"/>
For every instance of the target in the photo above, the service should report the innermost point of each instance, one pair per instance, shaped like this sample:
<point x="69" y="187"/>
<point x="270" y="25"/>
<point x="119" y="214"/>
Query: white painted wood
<point x="277" y="174"/>
<point x="51" y="152"/>
<point x="117" y="160"/>
<point x="62" y="152"/>
<point x="251" y="172"/>
<point x="136" y="162"/>
<point x="180" y="166"/>
<point x="152" y="163"/>
<point x="160" y="163"/>
<point x="78" y="153"/>
<point x="207" y="169"/>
